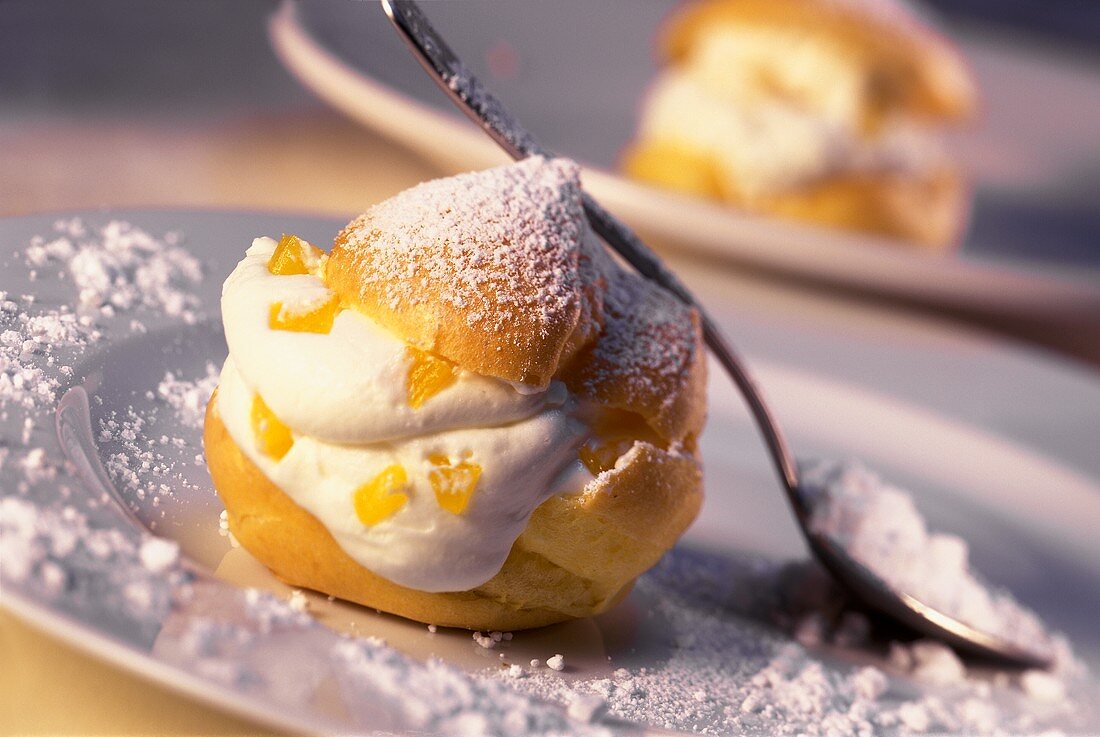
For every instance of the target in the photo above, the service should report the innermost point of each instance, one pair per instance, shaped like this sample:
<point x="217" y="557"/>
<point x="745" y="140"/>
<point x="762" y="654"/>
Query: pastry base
<point x="579" y="555"/>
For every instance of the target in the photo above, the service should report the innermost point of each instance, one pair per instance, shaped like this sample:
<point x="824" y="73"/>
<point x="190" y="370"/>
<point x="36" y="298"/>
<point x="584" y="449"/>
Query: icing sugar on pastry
<point x="506" y="265"/>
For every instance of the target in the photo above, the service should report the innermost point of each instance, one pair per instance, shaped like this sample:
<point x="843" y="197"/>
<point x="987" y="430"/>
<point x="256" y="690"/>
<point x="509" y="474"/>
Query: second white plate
<point x="578" y="95"/>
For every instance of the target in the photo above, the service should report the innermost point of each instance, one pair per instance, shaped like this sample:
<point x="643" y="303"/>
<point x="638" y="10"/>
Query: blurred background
<point x="197" y="86"/>
<point x="169" y="103"/>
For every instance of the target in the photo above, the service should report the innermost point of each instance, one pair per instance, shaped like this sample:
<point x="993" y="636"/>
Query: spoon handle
<point x="467" y="92"/>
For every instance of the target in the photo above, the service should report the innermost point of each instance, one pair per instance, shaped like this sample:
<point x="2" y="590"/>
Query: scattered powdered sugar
<point x="158" y="554"/>
<point x="1042" y="685"/>
<point x="485" y="641"/>
<point x="879" y="526"/>
<point x="934" y="662"/>
<point x="56" y="540"/>
<point x="188" y="397"/>
<point x="587" y="708"/>
<point x="149" y="454"/>
<point x="31" y="371"/>
<point x="224" y="531"/>
<point x="488" y="641"/>
<point x="146" y="464"/>
<point x="437" y="698"/>
<point x="298" y="601"/>
<point x="726" y="664"/>
<point x="125" y="267"/>
<point x="116" y="269"/>
<point x="50" y="551"/>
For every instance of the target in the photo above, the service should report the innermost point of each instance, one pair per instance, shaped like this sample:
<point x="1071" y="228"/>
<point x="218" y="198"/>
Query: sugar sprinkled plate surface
<point x="713" y="641"/>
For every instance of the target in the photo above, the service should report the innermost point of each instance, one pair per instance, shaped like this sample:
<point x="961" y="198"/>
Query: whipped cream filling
<point x="720" y="105"/>
<point x="349" y="385"/>
<point x="343" y="397"/>
<point x="750" y="63"/>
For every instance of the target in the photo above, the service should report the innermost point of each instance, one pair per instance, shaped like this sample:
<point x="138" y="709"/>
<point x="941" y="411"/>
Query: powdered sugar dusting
<point x="148" y="464"/>
<point x="645" y="351"/>
<point x="151" y="453"/>
<point x="728" y="665"/>
<point x="31" y="372"/>
<point x="129" y="267"/>
<point x="56" y="540"/>
<point x="188" y="397"/>
<point x="114" y="270"/>
<point x="500" y="245"/>
<point x="55" y="551"/>
<point x="436" y="698"/>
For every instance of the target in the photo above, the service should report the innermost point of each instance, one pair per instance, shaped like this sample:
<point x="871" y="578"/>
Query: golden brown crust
<point x="622" y="526"/>
<point x="928" y="209"/>
<point x="648" y="359"/>
<point x="908" y="67"/>
<point x="578" y="556"/>
<point x="483" y="269"/>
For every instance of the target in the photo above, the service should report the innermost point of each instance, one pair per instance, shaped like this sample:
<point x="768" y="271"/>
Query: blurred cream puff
<point x="826" y="111"/>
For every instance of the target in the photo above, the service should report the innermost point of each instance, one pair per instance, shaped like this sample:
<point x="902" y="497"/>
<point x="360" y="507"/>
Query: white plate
<point x="1020" y="480"/>
<point x="1030" y="262"/>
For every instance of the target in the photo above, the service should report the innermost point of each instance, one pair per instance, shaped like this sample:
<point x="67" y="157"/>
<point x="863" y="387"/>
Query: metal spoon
<point x="467" y="92"/>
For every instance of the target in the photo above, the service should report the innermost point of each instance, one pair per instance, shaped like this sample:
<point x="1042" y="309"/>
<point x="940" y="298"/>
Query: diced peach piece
<point x="294" y="256"/>
<point x="381" y="497"/>
<point x="428" y="376"/>
<point x="272" y="436"/>
<point x="453" y="484"/>
<point x="315" y="318"/>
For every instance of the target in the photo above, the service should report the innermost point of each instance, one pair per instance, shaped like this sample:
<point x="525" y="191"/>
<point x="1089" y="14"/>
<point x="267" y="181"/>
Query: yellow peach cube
<point x="381" y="497"/>
<point x="453" y="484"/>
<point x="428" y="375"/>
<point x="313" y="318"/>
<point x="272" y="437"/>
<point x="294" y="256"/>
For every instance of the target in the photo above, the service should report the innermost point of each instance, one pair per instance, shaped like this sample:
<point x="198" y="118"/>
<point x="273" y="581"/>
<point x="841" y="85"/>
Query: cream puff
<point x="826" y="111"/>
<point x="465" y="414"/>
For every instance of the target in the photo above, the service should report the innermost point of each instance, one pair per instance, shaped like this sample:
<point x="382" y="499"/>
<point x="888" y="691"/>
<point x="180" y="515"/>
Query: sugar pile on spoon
<point x="879" y="526"/>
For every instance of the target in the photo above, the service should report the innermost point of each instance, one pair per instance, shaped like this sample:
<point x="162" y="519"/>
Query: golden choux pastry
<point x="466" y="414"/>
<point x="825" y="111"/>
